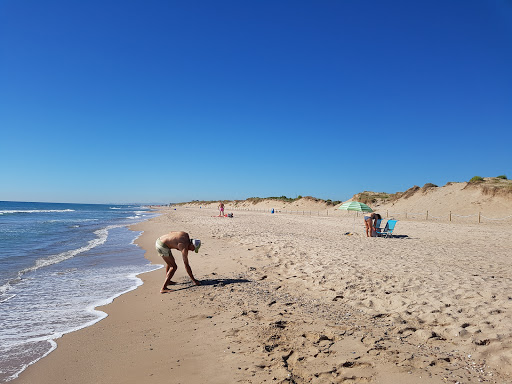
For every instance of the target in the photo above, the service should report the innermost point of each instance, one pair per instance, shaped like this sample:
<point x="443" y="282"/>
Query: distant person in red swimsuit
<point x="370" y="222"/>
<point x="221" y="208"/>
<point x="183" y="243"/>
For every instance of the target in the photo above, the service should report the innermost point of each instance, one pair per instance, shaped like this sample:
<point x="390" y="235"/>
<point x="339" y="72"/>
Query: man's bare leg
<point x="170" y="268"/>
<point x="167" y="266"/>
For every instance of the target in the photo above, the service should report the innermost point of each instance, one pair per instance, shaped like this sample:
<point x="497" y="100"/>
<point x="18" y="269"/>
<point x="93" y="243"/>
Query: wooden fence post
<point x="427" y="216"/>
<point x="479" y="217"/>
<point x="450" y="215"/>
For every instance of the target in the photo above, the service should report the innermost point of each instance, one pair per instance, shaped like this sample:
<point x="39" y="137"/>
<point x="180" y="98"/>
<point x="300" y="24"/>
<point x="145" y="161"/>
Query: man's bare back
<point x="174" y="239"/>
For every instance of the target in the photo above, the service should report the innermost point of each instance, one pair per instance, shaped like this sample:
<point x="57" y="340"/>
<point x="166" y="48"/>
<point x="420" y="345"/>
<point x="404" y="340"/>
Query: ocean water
<point x="57" y="263"/>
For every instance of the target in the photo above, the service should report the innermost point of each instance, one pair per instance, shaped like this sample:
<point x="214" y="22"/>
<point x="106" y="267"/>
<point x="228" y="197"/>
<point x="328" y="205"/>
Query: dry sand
<point x="290" y="299"/>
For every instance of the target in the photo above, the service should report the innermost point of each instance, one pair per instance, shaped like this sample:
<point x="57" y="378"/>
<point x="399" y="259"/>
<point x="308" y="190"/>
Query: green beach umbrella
<point x="355" y="206"/>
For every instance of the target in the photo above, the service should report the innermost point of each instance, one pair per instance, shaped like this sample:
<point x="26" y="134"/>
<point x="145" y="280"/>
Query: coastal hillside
<point x="491" y="197"/>
<point x="487" y="196"/>
<point x="307" y="203"/>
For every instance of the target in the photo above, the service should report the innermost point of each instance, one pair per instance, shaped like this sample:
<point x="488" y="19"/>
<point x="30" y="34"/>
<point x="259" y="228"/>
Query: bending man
<point x="183" y="243"/>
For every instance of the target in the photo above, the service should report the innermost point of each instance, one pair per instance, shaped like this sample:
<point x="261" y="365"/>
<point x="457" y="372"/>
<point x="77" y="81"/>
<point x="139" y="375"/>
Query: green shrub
<point x="476" y="179"/>
<point x="282" y="198"/>
<point x="502" y="177"/>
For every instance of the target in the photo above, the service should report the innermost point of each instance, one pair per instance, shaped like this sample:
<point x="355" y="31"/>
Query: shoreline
<point x="93" y="309"/>
<point x="63" y="363"/>
<point x="274" y="307"/>
<point x="55" y="291"/>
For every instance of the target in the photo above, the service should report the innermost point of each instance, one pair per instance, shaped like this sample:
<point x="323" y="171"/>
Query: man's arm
<point x="184" y="253"/>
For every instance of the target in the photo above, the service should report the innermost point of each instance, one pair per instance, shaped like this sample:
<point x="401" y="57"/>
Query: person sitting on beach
<point x="183" y="243"/>
<point x="370" y="222"/>
<point x="221" y="208"/>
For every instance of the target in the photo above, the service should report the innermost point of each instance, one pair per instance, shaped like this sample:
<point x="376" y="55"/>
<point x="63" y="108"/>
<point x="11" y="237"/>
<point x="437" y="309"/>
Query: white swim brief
<point x="162" y="249"/>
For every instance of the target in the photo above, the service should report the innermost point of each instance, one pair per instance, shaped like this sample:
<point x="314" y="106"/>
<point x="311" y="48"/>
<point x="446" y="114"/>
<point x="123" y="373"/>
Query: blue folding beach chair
<point x="387" y="231"/>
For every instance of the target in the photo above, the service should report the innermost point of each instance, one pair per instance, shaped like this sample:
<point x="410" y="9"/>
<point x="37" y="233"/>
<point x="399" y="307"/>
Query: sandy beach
<point x="266" y="130"/>
<point x="289" y="299"/>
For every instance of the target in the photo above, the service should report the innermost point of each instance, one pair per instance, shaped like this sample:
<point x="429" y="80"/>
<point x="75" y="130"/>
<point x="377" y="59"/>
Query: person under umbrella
<point x="355" y="206"/>
<point x="370" y="222"/>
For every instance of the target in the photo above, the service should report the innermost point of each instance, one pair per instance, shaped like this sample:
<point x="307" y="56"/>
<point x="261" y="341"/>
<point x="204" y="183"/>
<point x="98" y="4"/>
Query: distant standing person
<point x="370" y="222"/>
<point x="183" y="243"/>
<point x="221" y="208"/>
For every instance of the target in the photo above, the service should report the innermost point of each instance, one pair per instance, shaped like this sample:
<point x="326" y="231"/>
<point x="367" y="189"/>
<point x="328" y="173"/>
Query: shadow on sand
<point x="222" y="282"/>
<point x="207" y="282"/>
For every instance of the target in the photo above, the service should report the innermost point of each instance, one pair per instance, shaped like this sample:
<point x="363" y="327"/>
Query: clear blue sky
<point x="168" y="101"/>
